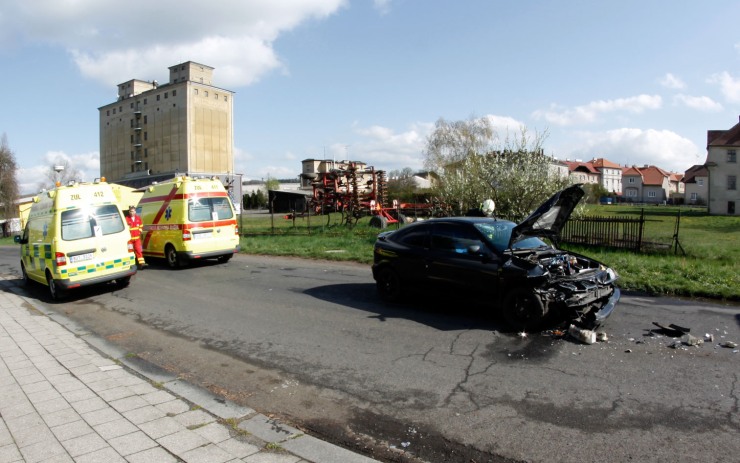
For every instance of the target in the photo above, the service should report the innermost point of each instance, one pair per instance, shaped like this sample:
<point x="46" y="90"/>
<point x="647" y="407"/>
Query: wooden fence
<point x="616" y="232"/>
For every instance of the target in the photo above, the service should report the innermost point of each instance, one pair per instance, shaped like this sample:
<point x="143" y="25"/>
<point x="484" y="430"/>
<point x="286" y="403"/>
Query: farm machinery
<point x="357" y="192"/>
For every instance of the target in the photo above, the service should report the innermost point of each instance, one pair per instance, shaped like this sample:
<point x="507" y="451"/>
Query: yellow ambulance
<point x="76" y="236"/>
<point x="188" y="218"/>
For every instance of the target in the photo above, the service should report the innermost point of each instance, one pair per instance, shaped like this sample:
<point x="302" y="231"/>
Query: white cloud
<point x="30" y="179"/>
<point x="729" y="86"/>
<point x="383" y="6"/>
<point x="107" y="41"/>
<point x="631" y="146"/>
<point x="672" y="82"/>
<point x="701" y="103"/>
<point x="589" y="113"/>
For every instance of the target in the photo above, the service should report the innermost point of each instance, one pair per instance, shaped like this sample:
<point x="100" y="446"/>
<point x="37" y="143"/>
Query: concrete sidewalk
<point x="67" y="396"/>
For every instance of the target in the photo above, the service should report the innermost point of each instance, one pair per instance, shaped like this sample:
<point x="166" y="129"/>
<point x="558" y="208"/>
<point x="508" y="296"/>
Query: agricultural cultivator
<point x="360" y="192"/>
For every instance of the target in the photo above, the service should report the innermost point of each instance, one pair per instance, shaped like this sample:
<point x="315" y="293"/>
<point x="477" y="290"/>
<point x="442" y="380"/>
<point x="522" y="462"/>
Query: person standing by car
<point x="136" y="226"/>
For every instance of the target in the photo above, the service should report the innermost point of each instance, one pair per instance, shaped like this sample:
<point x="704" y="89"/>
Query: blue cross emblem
<point x="168" y="213"/>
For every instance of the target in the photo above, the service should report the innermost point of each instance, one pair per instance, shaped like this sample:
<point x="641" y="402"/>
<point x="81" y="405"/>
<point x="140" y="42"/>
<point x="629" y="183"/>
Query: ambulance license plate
<point x="81" y="257"/>
<point x="202" y="235"/>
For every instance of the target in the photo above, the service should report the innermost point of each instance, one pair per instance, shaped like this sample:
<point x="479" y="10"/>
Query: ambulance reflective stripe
<point x="97" y="267"/>
<point x="166" y="200"/>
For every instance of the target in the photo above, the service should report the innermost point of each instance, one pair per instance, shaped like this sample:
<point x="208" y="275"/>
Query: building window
<point x="132" y="138"/>
<point x="215" y="96"/>
<point x="205" y="94"/>
<point x="632" y="180"/>
<point x="631" y="193"/>
<point x="146" y="152"/>
<point x="731" y="182"/>
<point x="146" y="136"/>
<point x="166" y="94"/>
<point x="144" y="100"/>
<point x="700" y="181"/>
<point x="226" y="98"/>
<point x="132" y="105"/>
<point x="731" y="156"/>
<point x="731" y="207"/>
<point x="195" y="91"/>
<point x="132" y="122"/>
<point x="651" y="194"/>
<point x="157" y="97"/>
<point x="114" y="110"/>
<point x="107" y="113"/>
<point x="174" y="92"/>
<point x="694" y="196"/>
<point x="144" y="119"/>
<point x="132" y="155"/>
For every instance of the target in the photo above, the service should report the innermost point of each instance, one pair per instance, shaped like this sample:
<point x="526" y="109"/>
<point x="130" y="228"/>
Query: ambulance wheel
<point x="171" y="255"/>
<point x="225" y="258"/>
<point x="24" y="275"/>
<point x="123" y="282"/>
<point x="55" y="292"/>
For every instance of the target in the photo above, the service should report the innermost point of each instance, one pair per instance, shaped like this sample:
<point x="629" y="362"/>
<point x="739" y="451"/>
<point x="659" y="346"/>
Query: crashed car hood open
<point x="549" y="218"/>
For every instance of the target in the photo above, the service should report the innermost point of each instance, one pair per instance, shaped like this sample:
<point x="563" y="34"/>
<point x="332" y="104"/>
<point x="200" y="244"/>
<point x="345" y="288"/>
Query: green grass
<point x="708" y="269"/>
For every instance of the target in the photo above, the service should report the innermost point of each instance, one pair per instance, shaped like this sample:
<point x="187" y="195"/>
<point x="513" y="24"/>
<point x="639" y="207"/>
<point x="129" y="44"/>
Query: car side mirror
<point x="18" y="239"/>
<point x="474" y="249"/>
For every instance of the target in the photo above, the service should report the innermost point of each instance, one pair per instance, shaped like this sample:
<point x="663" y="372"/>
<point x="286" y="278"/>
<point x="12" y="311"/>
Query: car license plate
<point x="81" y="257"/>
<point x="203" y="235"/>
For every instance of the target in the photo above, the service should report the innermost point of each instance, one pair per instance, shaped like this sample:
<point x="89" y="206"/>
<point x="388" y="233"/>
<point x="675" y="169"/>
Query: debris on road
<point x="690" y="340"/>
<point x="585" y="336"/>
<point x="729" y="344"/>
<point x="671" y="330"/>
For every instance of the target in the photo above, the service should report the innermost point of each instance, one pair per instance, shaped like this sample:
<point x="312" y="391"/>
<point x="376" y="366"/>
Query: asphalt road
<point x="436" y="379"/>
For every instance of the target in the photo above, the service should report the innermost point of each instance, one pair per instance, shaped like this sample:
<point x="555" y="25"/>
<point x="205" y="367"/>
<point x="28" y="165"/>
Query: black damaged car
<point x="529" y="279"/>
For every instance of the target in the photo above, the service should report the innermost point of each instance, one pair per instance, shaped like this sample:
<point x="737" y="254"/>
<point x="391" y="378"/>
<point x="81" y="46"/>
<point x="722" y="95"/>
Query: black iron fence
<point x="616" y="232"/>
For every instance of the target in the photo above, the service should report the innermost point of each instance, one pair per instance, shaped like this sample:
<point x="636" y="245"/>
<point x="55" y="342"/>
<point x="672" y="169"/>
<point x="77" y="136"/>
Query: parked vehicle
<point x="76" y="236"/>
<point x="187" y="219"/>
<point x="527" y="278"/>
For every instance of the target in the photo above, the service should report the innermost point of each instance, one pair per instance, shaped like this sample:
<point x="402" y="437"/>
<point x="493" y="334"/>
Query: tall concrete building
<point x="154" y="131"/>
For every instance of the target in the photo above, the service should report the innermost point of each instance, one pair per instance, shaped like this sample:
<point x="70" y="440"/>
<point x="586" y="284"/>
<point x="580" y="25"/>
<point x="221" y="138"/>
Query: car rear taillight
<point x="60" y="258"/>
<point x="236" y="231"/>
<point x="130" y="246"/>
<point x="186" y="235"/>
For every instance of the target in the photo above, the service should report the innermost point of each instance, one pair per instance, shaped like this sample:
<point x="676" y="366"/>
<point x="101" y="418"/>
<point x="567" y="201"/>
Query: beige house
<point x="611" y="174"/>
<point x="696" y="185"/>
<point x="155" y="130"/>
<point x="723" y="171"/>
<point x="648" y="184"/>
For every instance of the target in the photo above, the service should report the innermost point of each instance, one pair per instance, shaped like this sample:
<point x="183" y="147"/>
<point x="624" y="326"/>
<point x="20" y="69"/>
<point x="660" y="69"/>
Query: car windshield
<point x="499" y="233"/>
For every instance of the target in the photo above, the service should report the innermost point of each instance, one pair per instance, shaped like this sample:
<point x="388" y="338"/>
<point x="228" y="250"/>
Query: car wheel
<point x="24" y="275"/>
<point x="171" y="255"/>
<point x="524" y="310"/>
<point x="123" y="282"/>
<point x="225" y="258"/>
<point x="54" y="291"/>
<point x="389" y="285"/>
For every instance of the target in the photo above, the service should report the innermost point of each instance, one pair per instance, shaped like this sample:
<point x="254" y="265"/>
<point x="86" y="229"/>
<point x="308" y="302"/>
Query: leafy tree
<point x="474" y="163"/>
<point x="8" y="180"/>
<point x="272" y="183"/>
<point x="260" y="198"/>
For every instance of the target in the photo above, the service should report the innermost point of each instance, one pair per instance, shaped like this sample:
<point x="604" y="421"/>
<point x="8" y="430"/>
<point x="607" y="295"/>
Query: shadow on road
<point x="441" y="311"/>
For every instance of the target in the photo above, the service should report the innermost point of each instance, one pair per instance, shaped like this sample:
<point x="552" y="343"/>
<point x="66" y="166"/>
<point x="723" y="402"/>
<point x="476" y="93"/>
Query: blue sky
<point x="632" y="81"/>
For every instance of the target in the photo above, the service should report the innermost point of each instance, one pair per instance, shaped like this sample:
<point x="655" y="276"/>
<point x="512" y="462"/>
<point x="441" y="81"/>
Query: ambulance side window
<point x="222" y="208"/>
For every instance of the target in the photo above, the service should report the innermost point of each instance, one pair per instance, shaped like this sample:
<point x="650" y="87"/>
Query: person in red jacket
<point x="136" y="227"/>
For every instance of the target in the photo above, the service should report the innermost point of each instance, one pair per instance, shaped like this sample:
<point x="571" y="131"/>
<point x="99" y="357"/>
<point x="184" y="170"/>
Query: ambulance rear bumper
<point x="191" y="255"/>
<point x="66" y="283"/>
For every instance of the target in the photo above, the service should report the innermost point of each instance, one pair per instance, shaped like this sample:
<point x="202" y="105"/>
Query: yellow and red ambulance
<point x="188" y="218"/>
<point x="76" y="236"/>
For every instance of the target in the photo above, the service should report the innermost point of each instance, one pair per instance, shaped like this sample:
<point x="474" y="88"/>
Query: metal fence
<point x="616" y="232"/>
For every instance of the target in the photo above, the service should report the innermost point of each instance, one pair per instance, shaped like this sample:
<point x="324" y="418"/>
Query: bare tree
<point x="62" y="171"/>
<point x="8" y="180"/>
